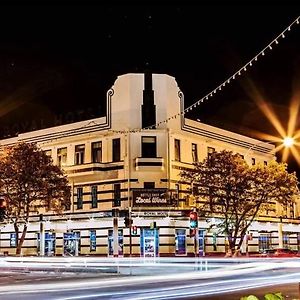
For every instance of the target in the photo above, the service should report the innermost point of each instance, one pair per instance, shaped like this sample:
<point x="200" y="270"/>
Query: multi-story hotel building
<point x="115" y="166"/>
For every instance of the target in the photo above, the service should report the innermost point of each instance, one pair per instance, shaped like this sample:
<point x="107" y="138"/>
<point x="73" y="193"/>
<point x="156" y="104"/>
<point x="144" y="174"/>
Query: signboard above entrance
<point x="151" y="197"/>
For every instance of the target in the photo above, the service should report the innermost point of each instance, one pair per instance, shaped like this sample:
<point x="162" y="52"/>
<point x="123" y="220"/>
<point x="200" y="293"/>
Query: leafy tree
<point x="29" y="182"/>
<point x="237" y="192"/>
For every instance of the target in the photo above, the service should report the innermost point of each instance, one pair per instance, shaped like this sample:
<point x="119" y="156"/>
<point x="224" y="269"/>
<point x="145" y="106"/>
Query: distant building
<point x="113" y="166"/>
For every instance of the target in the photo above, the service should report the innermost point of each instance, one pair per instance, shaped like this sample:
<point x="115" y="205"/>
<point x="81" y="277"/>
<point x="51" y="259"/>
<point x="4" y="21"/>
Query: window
<point x="149" y="185"/>
<point x="13" y="240"/>
<point x="117" y="194"/>
<point x="94" y="196"/>
<point x="253" y="161"/>
<point x="93" y="243"/>
<point x="265" y="163"/>
<point x="116" y="150"/>
<point x="194" y="153"/>
<point x="177" y="149"/>
<point x="79" y="154"/>
<point x="285" y="240"/>
<point x="48" y="152"/>
<point x="210" y="150"/>
<point x="264" y="241"/>
<point x="97" y="152"/>
<point x="79" y="198"/>
<point x="148" y="146"/>
<point x="62" y="157"/>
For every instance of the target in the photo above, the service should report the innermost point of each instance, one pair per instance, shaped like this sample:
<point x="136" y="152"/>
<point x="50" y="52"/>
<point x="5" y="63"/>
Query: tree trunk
<point x="21" y="241"/>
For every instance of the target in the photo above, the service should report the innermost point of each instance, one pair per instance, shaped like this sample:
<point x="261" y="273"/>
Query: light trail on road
<point x="229" y="276"/>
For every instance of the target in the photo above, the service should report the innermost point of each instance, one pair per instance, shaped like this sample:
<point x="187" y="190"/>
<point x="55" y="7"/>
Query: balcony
<point x="149" y="163"/>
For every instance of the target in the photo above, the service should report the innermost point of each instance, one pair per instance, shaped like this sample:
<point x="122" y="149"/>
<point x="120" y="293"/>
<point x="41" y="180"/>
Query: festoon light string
<point x="239" y="72"/>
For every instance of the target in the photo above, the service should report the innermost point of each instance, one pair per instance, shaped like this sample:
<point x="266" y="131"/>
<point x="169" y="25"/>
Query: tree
<point x="30" y="182"/>
<point x="236" y="192"/>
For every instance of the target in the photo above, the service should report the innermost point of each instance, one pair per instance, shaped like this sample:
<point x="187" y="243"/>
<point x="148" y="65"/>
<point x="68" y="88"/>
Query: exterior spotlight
<point x="288" y="141"/>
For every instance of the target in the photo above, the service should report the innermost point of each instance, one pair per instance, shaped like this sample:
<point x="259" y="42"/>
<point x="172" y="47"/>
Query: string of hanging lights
<point x="234" y="76"/>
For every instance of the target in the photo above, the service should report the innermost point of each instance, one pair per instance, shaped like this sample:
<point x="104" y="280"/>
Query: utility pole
<point x="42" y="235"/>
<point x="115" y="232"/>
<point x="130" y="233"/>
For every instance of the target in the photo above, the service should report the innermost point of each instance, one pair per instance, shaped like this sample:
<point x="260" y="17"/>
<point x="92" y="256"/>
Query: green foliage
<point x="269" y="296"/>
<point x="250" y="297"/>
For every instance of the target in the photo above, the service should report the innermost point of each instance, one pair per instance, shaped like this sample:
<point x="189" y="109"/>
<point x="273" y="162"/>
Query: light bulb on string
<point x="297" y="21"/>
<point x="245" y="69"/>
<point x="270" y="47"/>
<point x="263" y="53"/>
<point x="283" y="36"/>
<point x="276" y="42"/>
<point x="289" y="29"/>
<point x="255" y="58"/>
<point x="250" y="64"/>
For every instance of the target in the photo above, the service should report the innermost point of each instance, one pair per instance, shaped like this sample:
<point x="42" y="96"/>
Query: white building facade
<point x="115" y="168"/>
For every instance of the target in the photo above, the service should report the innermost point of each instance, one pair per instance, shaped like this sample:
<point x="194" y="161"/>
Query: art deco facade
<point x="113" y="166"/>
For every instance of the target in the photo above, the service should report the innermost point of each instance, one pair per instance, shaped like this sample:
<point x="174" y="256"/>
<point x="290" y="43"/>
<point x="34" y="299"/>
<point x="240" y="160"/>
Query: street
<point x="165" y="278"/>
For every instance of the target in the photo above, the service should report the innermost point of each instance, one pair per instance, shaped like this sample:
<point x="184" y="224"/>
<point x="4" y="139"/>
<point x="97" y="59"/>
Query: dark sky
<point x="58" y="59"/>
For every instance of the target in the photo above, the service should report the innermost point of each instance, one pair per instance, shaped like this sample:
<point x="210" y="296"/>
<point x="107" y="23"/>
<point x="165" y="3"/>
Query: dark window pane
<point x="79" y="198"/>
<point x="116" y="150"/>
<point x="177" y="150"/>
<point x="97" y="152"/>
<point x="148" y="146"/>
<point x="117" y="194"/>
<point x="94" y="196"/>
<point x="79" y="154"/>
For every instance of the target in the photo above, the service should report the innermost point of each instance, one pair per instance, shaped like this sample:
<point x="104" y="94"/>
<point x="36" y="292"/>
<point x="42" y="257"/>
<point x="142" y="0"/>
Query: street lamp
<point x="288" y="141"/>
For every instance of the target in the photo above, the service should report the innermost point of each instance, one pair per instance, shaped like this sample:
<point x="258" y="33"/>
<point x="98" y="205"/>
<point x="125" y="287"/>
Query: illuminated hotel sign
<point x="150" y="197"/>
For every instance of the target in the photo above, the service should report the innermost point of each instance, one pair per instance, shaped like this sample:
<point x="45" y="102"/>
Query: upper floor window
<point x="48" y="152"/>
<point x="116" y="150"/>
<point x="62" y="156"/>
<point x="148" y="146"/>
<point x="79" y="198"/>
<point x="117" y="194"/>
<point x="79" y="154"/>
<point x="210" y="150"/>
<point x="253" y="161"/>
<point x="177" y="149"/>
<point x="149" y="185"/>
<point x="195" y="152"/>
<point x="94" y="196"/>
<point x="97" y="152"/>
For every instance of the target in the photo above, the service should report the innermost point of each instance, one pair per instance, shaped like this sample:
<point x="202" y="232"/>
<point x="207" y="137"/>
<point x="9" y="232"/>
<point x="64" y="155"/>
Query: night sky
<point x="57" y="60"/>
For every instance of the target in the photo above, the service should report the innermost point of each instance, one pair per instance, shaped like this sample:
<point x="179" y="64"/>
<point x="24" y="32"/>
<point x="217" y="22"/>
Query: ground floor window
<point x="201" y="242"/>
<point x="93" y="240"/>
<point x="111" y="242"/>
<point x="180" y="242"/>
<point x="149" y="242"/>
<point x="13" y="240"/>
<point x="71" y="243"/>
<point x="49" y="243"/>
<point x="264" y="241"/>
<point x="285" y="240"/>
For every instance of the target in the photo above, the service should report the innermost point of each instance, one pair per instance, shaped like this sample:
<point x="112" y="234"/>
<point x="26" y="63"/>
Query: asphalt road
<point x="67" y="286"/>
<point x="45" y="278"/>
